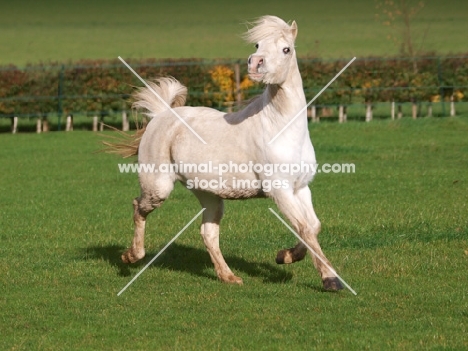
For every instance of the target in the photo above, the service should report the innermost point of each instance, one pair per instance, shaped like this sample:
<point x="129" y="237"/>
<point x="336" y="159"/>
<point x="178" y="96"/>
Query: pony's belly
<point x="229" y="192"/>
<point x="240" y="194"/>
<point x="230" y="186"/>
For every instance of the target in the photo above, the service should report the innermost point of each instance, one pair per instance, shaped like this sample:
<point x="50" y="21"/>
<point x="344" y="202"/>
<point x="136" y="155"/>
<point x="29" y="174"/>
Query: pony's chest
<point x="290" y="154"/>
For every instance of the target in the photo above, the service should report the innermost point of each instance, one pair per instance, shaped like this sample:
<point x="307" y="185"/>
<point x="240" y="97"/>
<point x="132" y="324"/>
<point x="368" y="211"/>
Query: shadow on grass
<point x="108" y="253"/>
<point x="317" y="287"/>
<point x="186" y="259"/>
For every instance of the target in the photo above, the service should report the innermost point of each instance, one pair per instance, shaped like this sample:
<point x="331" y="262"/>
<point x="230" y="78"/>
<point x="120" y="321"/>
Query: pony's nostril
<point x="255" y="62"/>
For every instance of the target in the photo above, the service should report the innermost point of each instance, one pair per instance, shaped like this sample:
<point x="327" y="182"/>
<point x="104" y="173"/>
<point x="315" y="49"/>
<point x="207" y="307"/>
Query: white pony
<point x="234" y="139"/>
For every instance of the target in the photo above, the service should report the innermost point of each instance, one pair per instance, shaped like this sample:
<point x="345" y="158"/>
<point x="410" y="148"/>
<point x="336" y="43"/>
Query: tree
<point x="399" y="16"/>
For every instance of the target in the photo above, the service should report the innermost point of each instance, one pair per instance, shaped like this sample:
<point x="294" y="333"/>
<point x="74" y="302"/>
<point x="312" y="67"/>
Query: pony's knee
<point x="310" y="233"/>
<point x="140" y="209"/>
<point x="146" y="204"/>
<point x="315" y="228"/>
<point x="153" y="198"/>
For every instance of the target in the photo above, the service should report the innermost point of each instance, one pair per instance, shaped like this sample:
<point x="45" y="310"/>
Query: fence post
<point x="340" y="114"/>
<point x="441" y="87"/>
<point x="313" y="114"/>
<point x="125" y="124"/>
<point x="392" y="110"/>
<point x="368" y="111"/>
<point x="429" y="110"/>
<point x="39" y="125"/>
<point x="45" y="124"/>
<point x="59" y="96"/>
<point x="69" y="125"/>
<point x="14" y="125"/>
<point x="414" y="110"/>
<point x="95" y="123"/>
<point x="452" y="106"/>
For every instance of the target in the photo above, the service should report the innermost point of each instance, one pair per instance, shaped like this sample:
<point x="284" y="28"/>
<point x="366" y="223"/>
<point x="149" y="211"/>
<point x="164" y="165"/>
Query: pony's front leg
<point x="300" y="212"/>
<point x="210" y="233"/>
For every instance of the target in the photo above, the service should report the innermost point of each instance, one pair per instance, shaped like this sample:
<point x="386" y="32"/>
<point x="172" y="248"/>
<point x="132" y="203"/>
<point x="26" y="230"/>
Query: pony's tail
<point x="169" y="90"/>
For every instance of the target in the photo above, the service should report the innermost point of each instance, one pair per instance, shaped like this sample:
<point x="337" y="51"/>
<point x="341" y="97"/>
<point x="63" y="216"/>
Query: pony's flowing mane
<point x="267" y="27"/>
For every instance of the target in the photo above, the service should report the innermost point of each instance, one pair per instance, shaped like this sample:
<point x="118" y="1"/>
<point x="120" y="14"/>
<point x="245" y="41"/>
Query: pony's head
<point x="274" y="40"/>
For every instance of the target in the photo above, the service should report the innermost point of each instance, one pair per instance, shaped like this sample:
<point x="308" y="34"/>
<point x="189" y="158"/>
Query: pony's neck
<point x="288" y="98"/>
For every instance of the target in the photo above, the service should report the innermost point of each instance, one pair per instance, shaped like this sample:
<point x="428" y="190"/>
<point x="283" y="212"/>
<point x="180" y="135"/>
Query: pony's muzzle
<point x="255" y="62"/>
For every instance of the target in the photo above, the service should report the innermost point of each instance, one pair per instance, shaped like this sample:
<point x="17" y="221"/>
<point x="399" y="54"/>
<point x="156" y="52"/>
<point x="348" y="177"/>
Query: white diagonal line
<point x="311" y="101"/>
<point x="316" y="255"/>
<point x="160" y="252"/>
<point x="162" y="100"/>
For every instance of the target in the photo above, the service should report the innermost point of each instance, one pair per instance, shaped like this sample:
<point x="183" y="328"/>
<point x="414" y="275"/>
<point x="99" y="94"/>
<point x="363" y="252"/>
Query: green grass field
<point x="34" y="31"/>
<point x="396" y="231"/>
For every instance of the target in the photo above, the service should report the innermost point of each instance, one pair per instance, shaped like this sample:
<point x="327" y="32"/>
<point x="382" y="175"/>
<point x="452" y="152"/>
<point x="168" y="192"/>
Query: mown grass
<point x="35" y="31"/>
<point x="396" y="231"/>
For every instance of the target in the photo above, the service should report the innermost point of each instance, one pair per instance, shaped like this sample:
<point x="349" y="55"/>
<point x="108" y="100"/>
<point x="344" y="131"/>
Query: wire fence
<point x="100" y="90"/>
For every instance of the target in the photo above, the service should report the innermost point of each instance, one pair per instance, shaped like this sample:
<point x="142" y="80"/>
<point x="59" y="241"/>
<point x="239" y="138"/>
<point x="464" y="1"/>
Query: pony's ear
<point x="294" y="29"/>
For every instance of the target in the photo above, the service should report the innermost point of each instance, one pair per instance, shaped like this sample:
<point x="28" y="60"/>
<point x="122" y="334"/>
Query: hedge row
<point x="86" y="86"/>
<point x="394" y="79"/>
<point x="104" y="86"/>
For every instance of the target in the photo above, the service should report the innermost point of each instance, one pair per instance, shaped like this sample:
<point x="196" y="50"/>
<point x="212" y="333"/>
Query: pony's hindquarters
<point x="161" y="95"/>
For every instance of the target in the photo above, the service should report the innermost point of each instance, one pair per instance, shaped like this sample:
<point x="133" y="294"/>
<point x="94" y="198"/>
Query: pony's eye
<point x="256" y="46"/>
<point x="286" y="50"/>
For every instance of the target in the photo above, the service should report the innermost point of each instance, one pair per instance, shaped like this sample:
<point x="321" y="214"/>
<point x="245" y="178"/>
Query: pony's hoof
<point x="332" y="284"/>
<point x="291" y="255"/>
<point x="232" y="279"/>
<point x="284" y="257"/>
<point x="132" y="255"/>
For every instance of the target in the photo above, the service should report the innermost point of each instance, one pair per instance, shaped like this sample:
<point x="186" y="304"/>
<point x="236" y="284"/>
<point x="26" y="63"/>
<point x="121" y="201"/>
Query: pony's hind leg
<point x="142" y="207"/>
<point x="137" y="251"/>
<point x="210" y="233"/>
